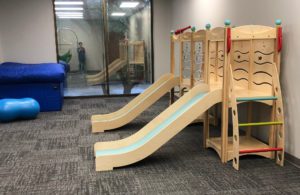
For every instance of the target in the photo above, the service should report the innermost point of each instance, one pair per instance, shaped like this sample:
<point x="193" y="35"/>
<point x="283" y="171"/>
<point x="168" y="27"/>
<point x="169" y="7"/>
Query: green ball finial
<point x="193" y="29"/>
<point x="278" y="22"/>
<point x="208" y="26"/>
<point x="172" y="32"/>
<point x="227" y="22"/>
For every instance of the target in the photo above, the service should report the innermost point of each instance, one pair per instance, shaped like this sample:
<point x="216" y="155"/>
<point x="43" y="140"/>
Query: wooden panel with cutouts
<point x="216" y="54"/>
<point x="263" y="62"/>
<point x="240" y="61"/>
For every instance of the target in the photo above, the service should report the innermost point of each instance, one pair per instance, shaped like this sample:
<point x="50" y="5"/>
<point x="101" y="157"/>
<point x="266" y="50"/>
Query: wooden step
<point x="252" y="99"/>
<point x="260" y="150"/>
<point x="260" y="124"/>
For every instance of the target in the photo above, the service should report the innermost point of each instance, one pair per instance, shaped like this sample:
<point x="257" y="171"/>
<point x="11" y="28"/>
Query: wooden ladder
<point x="276" y="135"/>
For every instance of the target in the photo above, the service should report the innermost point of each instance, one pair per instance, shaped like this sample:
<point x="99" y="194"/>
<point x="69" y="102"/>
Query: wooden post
<point x="172" y="66"/>
<point x="235" y="123"/>
<point x="279" y="116"/>
<point x="224" y="132"/>
<point x="250" y="104"/>
<point x="206" y="80"/>
<point x="192" y="58"/>
<point x="206" y="58"/>
<point x="172" y="56"/>
<point x="278" y="44"/>
<point x="181" y="65"/>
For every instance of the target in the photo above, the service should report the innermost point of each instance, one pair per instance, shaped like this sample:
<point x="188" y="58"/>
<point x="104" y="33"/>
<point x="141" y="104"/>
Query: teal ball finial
<point x="227" y="22"/>
<point x="193" y="29"/>
<point x="278" y="22"/>
<point x="208" y="26"/>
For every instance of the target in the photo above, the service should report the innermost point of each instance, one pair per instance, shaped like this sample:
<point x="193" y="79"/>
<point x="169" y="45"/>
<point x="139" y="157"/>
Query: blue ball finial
<point x="208" y="26"/>
<point x="193" y="29"/>
<point x="227" y="22"/>
<point x="278" y="22"/>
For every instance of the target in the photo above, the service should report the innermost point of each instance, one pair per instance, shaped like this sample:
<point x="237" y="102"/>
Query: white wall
<point x="161" y="30"/>
<point x="1" y="37"/>
<point x="27" y="31"/>
<point x="200" y="12"/>
<point x="1" y="50"/>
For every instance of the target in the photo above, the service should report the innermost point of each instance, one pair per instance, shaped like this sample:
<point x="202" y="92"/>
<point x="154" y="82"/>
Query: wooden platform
<point x="245" y="93"/>
<point x="246" y="143"/>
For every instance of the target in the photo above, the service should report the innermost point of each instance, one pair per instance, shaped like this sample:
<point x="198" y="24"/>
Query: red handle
<point x="279" y="39"/>
<point x="228" y="40"/>
<point x="179" y="31"/>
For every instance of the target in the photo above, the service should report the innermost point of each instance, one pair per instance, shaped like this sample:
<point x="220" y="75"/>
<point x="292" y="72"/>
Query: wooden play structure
<point x="191" y="57"/>
<point x="132" y="53"/>
<point x="245" y="63"/>
<point x="191" y="65"/>
<point x="231" y="66"/>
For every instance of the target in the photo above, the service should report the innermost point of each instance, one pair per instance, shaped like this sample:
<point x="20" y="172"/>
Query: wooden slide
<point x="159" y="131"/>
<point x="99" y="78"/>
<point x="101" y="123"/>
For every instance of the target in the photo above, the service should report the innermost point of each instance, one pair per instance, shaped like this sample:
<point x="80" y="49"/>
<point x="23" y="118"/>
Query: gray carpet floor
<point x="54" y="155"/>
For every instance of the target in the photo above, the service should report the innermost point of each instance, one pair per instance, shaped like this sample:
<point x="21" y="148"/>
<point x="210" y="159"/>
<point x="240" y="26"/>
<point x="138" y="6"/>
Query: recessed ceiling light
<point x="129" y="4"/>
<point x="68" y="13"/>
<point x="70" y="17"/>
<point x="69" y="8"/>
<point x="59" y="16"/>
<point x="118" y="14"/>
<point x="68" y="3"/>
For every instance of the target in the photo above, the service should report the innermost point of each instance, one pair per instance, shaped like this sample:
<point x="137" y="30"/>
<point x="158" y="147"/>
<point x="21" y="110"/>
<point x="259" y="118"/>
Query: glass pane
<point x="129" y="46"/>
<point x="80" y="46"/>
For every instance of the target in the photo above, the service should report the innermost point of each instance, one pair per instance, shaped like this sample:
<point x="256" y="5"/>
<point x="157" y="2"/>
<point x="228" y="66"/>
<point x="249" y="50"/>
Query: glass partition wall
<point x="105" y="45"/>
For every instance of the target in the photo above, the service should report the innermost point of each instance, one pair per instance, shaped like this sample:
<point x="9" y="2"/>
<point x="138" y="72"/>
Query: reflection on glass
<point x="81" y="44"/>
<point x="105" y="46"/>
<point x="129" y="22"/>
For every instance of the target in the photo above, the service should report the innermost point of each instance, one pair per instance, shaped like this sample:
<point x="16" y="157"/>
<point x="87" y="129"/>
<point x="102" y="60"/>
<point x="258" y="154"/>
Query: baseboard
<point x="292" y="159"/>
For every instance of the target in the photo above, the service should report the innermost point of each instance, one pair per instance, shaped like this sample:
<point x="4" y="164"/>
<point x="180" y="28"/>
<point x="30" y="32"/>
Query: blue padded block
<point x="31" y="73"/>
<point x="13" y="109"/>
<point x="42" y="82"/>
<point x="49" y="95"/>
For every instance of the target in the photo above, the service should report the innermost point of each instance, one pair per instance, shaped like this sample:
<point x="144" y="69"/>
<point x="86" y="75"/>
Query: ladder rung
<point x="260" y="124"/>
<point x="249" y="99"/>
<point x="260" y="150"/>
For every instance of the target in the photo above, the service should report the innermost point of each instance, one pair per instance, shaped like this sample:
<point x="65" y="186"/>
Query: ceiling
<point x="93" y="8"/>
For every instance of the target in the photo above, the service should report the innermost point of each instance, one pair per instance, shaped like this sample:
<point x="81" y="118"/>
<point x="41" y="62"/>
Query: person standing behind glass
<point x="81" y="57"/>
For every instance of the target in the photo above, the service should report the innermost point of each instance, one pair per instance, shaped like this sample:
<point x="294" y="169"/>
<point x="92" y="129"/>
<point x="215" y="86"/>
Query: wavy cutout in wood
<point x="240" y="52"/>
<point x="262" y="83"/>
<point x="262" y="63"/>
<point x="242" y="61"/>
<point x="240" y="69"/>
<point x="262" y="72"/>
<point x="241" y="79"/>
<point x="266" y="54"/>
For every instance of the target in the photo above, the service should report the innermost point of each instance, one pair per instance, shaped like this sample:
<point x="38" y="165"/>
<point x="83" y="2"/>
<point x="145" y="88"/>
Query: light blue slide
<point x="159" y="131"/>
<point x="135" y="107"/>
